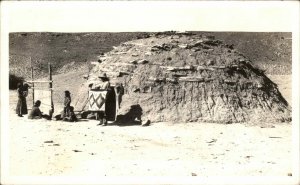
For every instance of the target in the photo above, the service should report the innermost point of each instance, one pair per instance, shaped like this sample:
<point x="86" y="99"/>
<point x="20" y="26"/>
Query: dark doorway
<point x="110" y="105"/>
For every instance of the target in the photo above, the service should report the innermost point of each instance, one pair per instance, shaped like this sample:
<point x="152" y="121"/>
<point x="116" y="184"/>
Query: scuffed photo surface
<point x="206" y="135"/>
<point x="195" y="102"/>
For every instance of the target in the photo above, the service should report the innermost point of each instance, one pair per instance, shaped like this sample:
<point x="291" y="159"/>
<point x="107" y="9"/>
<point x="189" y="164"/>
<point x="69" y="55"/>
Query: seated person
<point x="70" y="116"/>
<point x="35" y="112"/>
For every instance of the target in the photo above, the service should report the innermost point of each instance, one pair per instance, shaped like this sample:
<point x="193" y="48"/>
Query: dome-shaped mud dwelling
<point x="182" y="77"/>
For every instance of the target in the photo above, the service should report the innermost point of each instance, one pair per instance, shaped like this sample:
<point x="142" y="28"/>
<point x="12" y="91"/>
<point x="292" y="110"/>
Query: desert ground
<point x="48" y="148"/>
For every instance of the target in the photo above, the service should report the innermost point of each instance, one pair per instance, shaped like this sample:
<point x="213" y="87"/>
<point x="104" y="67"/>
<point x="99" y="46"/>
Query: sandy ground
<point x="284" y="83"/>
<point x="42" y="147"/>
<point x="58" y="148"/>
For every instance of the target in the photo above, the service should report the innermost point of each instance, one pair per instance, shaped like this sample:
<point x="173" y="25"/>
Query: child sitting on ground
<point x="71" y="117"/>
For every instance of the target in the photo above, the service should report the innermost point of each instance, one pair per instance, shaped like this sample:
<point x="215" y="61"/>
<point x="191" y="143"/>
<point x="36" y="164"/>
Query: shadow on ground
<point x="132" y="117"/>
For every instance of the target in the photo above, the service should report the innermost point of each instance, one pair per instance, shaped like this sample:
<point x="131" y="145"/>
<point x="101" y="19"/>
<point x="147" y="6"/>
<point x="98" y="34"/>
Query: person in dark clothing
<point x="68" y="112"/>
<point x="67" y="103"/>
<point x="25" y="89"/>
<point x="21" y="105"/>
<point x="36" y="113"/>
<point x="119" y="93"/>
<point x="71" y="117"/>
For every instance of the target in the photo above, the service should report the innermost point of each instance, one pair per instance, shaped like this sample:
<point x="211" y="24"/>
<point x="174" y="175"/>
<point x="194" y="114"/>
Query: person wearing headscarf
<point x="21" y="108"/>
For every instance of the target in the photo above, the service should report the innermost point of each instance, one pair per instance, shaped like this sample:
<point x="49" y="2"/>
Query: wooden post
<point x="51" y="111"/>
<point x="50" y="76"/>
<point x="32" y="80"/>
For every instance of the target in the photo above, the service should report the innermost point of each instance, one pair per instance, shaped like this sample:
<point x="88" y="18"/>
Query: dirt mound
<point x="187" y="77"/>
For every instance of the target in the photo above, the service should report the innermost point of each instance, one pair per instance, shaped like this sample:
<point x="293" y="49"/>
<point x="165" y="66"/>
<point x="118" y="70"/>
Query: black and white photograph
<point x="149" y="92"/>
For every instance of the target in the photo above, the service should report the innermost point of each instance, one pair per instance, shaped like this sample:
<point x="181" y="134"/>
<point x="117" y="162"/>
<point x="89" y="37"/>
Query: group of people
<point x="35" y="113"/>
<point x="68" y="111"/>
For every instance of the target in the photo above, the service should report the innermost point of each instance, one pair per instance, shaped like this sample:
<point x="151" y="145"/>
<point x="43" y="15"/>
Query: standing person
<point x="119" y="93"/>
<point x="21" y="105"/>
<point x="67" y="104"/>
<point x="25" y="89"/>
<point x="103" y="85"/>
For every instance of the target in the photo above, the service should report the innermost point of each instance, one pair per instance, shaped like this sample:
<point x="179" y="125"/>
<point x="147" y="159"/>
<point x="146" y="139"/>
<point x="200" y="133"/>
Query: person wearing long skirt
<point x="67" y="104"/>
<point x="21" y="108"/>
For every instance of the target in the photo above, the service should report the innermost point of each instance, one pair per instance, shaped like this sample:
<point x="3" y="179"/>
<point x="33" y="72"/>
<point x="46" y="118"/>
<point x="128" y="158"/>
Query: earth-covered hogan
<point x="186" y="77"/>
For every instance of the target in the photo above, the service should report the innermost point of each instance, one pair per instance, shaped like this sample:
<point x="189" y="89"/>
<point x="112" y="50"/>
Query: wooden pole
<point x="51" y="111"/>
<point x="50" y="76"/>
<point x="32" y="80"/>
<point x="39" y="81"/>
